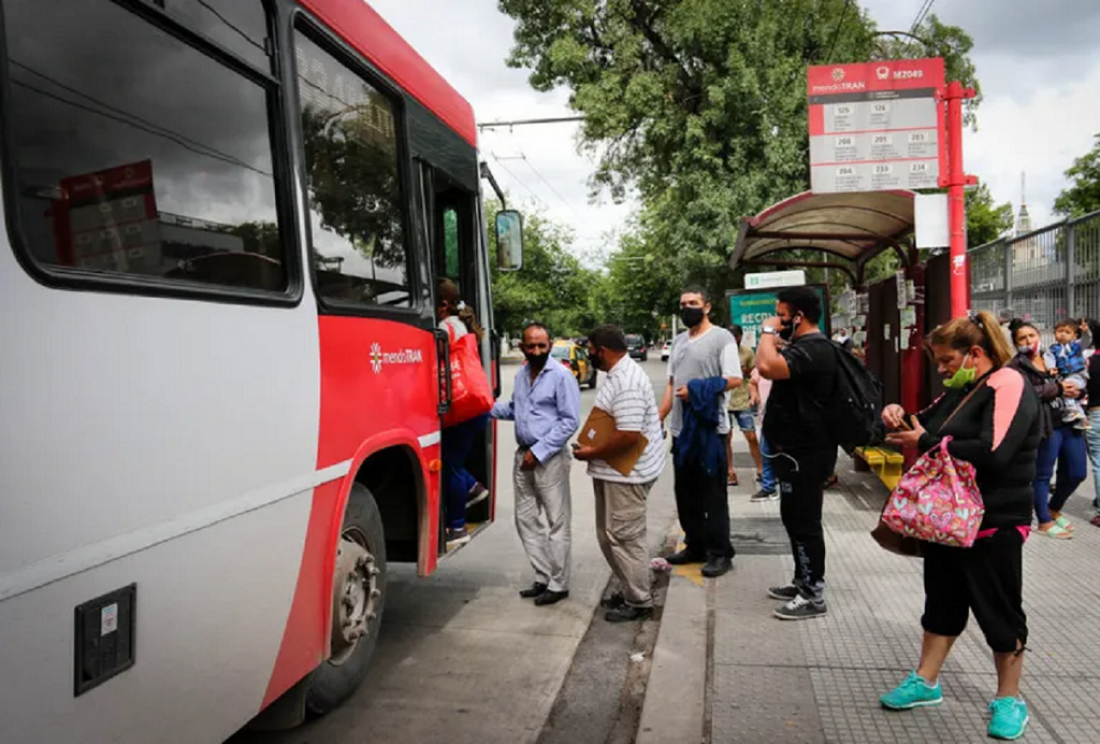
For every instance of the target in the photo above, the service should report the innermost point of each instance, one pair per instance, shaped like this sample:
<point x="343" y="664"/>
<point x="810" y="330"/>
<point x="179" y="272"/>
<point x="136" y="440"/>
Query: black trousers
<point x="704" y="509"/>
<point x="987" y="579"/>
<point x="802" y="476"/>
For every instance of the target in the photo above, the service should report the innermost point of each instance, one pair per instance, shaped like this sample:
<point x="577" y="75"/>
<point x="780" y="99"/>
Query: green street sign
<point x="749" y="308"/>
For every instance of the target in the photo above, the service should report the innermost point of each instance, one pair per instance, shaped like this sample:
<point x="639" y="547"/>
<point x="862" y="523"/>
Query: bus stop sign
<point x="876" y="126"/>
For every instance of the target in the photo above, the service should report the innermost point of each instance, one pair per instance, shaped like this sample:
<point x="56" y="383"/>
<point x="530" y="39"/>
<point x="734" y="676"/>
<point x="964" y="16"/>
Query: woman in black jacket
<point x="1067" y="449"/>
<point x="992" y="417"/>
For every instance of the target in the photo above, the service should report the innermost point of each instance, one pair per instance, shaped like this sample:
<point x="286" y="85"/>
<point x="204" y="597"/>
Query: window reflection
<point x="350" y="135"/>
<point x="137" y="154"/>
<point x="238" y="25"/>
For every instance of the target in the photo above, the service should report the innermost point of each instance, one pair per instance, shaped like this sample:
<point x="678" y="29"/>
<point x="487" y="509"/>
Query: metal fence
<point x="1045" y="276"/>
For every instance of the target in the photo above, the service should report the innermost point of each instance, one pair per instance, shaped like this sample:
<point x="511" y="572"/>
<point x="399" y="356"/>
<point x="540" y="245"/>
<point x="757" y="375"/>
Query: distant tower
<point x="1023" y="219"/>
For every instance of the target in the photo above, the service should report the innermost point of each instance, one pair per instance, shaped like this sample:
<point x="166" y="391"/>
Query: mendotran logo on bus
<point x="378" y="357"/>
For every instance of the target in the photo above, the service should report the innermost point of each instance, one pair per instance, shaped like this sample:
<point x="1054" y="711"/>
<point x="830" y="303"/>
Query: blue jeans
<point x="1066" y="447"/>
<point x="1092" y="439"/>
<point x="457" y="480"/>
<point x="767" y="477"/>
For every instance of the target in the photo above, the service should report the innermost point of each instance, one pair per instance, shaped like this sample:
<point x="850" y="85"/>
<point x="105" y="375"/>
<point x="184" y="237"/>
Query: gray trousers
<point x="544" y="517"/>
<point x="620" y="531"/>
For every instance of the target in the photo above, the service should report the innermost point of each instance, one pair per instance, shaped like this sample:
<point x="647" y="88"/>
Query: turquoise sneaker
<point x="914" y="692"/>
<point x="1009" y="718"/>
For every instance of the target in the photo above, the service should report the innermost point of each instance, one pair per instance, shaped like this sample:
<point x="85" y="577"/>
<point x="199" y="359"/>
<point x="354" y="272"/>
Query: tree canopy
<point x="701" y="104"/>
<point x="985" y="220"/>
<point x="1083" y="194"/>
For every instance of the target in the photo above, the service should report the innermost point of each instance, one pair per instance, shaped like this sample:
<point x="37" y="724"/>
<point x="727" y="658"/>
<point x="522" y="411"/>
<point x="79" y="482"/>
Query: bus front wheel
<point x="358" y="598"/>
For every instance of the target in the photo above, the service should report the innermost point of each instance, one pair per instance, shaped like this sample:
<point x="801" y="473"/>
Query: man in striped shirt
<point x="627" y="396"/>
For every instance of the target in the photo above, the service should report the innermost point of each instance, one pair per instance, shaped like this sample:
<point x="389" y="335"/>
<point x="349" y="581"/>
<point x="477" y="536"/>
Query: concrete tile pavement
<point x="818" y="681"/>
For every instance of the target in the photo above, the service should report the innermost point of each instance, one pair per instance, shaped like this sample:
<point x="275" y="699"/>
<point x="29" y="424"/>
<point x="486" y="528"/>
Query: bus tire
<point x="359" y="595"/>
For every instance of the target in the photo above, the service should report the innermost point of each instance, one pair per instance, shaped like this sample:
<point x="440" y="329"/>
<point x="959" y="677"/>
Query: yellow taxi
<point x="575" y="357"/>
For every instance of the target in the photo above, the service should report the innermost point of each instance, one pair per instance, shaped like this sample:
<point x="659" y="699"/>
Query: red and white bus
<point x="221" y="383"/>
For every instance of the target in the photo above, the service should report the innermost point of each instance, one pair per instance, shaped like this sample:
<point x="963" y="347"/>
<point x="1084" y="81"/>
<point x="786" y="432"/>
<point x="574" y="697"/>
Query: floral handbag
<point x="937" y="501"/>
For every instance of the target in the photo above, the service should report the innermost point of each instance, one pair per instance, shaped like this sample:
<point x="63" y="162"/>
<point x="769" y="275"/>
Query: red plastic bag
<point x="471" y="395"/>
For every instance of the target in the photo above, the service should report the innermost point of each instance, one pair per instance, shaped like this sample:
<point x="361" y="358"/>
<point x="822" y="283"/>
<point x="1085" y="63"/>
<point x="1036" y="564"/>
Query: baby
<point x="1066" y="358"/>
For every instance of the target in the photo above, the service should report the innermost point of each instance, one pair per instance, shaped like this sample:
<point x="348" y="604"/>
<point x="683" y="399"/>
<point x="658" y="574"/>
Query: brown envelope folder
<point x="598" y="429"/>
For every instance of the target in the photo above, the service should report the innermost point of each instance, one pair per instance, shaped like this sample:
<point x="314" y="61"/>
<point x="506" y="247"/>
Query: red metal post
<point x="956" y="181"/>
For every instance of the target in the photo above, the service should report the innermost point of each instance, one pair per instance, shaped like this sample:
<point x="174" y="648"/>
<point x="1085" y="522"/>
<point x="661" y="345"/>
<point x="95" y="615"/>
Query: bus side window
<point x="452" y="264"/>
<point x="126" y="170"/>
<point x="358" y="245"/>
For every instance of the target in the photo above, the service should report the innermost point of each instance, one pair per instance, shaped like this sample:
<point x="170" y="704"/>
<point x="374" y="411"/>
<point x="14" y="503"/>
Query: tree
<point x="701" y="104"/>
<point x="1084" y="195"/>
<point x="552" y="288"/>
<point x="985" y="221"/>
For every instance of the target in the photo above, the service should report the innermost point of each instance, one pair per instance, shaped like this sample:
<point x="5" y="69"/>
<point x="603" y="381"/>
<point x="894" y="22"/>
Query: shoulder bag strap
<point x="965" y="400"/>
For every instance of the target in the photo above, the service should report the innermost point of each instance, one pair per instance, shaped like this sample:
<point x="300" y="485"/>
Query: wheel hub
<point x="355" y="593"/>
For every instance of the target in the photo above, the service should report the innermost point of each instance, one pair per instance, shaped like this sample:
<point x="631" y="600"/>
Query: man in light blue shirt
<point x="546" y="406"/>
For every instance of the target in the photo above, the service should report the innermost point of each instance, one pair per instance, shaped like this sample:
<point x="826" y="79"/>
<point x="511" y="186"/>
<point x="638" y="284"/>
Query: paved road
<point x="462" y="659"/>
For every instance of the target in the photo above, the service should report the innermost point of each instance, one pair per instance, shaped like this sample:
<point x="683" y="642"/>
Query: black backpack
<point x="856" y="410"/>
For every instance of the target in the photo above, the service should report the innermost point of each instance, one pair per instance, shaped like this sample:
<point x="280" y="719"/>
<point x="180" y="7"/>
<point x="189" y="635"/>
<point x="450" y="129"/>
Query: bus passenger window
<point x="450" y="243"/>
<point x="357" y="230"/>
<point x="125" y="166"/>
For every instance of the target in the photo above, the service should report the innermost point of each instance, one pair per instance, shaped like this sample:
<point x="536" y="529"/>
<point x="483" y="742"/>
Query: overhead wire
<point x="836" y="32"/>
<point x="178" y="139"/>
<point x="121" y="112"/>
<point x="523" y="157"/>
<point x="516" y="178"/>
<point x="921" y="15"/>
<point x="226" y="21"/>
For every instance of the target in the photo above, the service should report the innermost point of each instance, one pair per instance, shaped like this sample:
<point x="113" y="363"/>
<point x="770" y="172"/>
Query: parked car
<point x="575" y="357"/>
<point x="635" y="346"/>
<point x="666" y="351"/>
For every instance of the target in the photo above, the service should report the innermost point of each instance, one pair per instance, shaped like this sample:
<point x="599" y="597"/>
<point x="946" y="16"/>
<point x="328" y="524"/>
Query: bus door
<point x="457" y="254"/>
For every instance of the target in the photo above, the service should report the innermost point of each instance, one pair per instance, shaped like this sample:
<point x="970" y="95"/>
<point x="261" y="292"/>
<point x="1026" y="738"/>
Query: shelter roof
<point x="855" y="226"/>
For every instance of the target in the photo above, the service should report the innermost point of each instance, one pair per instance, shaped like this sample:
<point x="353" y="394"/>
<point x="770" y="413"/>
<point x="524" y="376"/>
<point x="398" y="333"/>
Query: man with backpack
<point x="800" y="427"/>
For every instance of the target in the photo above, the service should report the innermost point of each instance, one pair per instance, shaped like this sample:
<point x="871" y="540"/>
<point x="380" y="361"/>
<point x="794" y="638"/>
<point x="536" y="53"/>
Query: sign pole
<point x="956" y="182"/>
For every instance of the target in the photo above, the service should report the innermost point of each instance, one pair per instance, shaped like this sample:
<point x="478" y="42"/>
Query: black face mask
<point x="691" y="316"/>
<point x="786" y="330"/>
<point x="537" y="361"/>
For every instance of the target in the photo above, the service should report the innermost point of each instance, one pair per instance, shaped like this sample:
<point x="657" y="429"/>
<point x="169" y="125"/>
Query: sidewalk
<point x="725" y="670"/>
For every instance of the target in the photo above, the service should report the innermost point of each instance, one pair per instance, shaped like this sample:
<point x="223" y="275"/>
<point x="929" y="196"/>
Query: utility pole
<point x="956" y="182"/>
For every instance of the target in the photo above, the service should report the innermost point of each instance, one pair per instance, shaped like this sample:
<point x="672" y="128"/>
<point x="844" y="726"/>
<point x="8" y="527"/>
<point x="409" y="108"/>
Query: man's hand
<point x="893" y="416"/>
<point x="909" y="438"/>
<point x="529" y="461"/>
<point x="775" y="322"/>
<point x="682" y="392"/>
<point x="584" y="453"/>
<point x="1070" y="390"/>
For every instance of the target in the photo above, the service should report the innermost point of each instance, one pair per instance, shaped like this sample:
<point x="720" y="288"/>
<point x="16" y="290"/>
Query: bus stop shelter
<point x="849" y="230"/>
<point x="845" y="232"/>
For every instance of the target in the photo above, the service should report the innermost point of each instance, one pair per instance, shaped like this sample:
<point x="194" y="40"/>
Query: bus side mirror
<point x="509" y="240"/>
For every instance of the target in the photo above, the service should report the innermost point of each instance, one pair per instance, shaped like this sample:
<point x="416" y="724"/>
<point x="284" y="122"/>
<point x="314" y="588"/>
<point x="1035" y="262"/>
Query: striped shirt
<point x="627" y="395"/>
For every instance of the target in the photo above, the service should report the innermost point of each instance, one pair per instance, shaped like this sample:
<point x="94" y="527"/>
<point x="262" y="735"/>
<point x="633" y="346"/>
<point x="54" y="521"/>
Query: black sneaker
<point x="801" y="608"/>
<point x="763" y="495"/>
<point x="476" y="495"/>
<point x="784" y="593"/>
<point x="685" y="556"/>
<point x="612" y="601"/>
<point x="457" y="536"/>
<point x="626" y="613"/>
<point x="717" y="566"/>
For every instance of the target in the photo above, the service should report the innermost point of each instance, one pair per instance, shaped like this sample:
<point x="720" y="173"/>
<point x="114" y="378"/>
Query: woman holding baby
<point x="1063" y="444"/>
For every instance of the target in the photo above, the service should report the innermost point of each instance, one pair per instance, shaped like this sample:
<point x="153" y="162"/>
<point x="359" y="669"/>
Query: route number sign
<point x="875" y="126"/>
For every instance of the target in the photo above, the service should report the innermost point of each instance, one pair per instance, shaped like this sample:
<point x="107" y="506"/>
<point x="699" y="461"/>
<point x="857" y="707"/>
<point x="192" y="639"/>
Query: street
<point x="461" y="658"/>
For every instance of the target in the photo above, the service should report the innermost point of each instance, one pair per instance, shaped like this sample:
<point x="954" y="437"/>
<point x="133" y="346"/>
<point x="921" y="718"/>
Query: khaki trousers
<point x="544" y="517"/>
<point x="620" y="531"/>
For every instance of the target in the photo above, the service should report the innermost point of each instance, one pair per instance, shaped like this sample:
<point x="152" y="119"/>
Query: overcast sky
<point x="1039" y="65"/>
